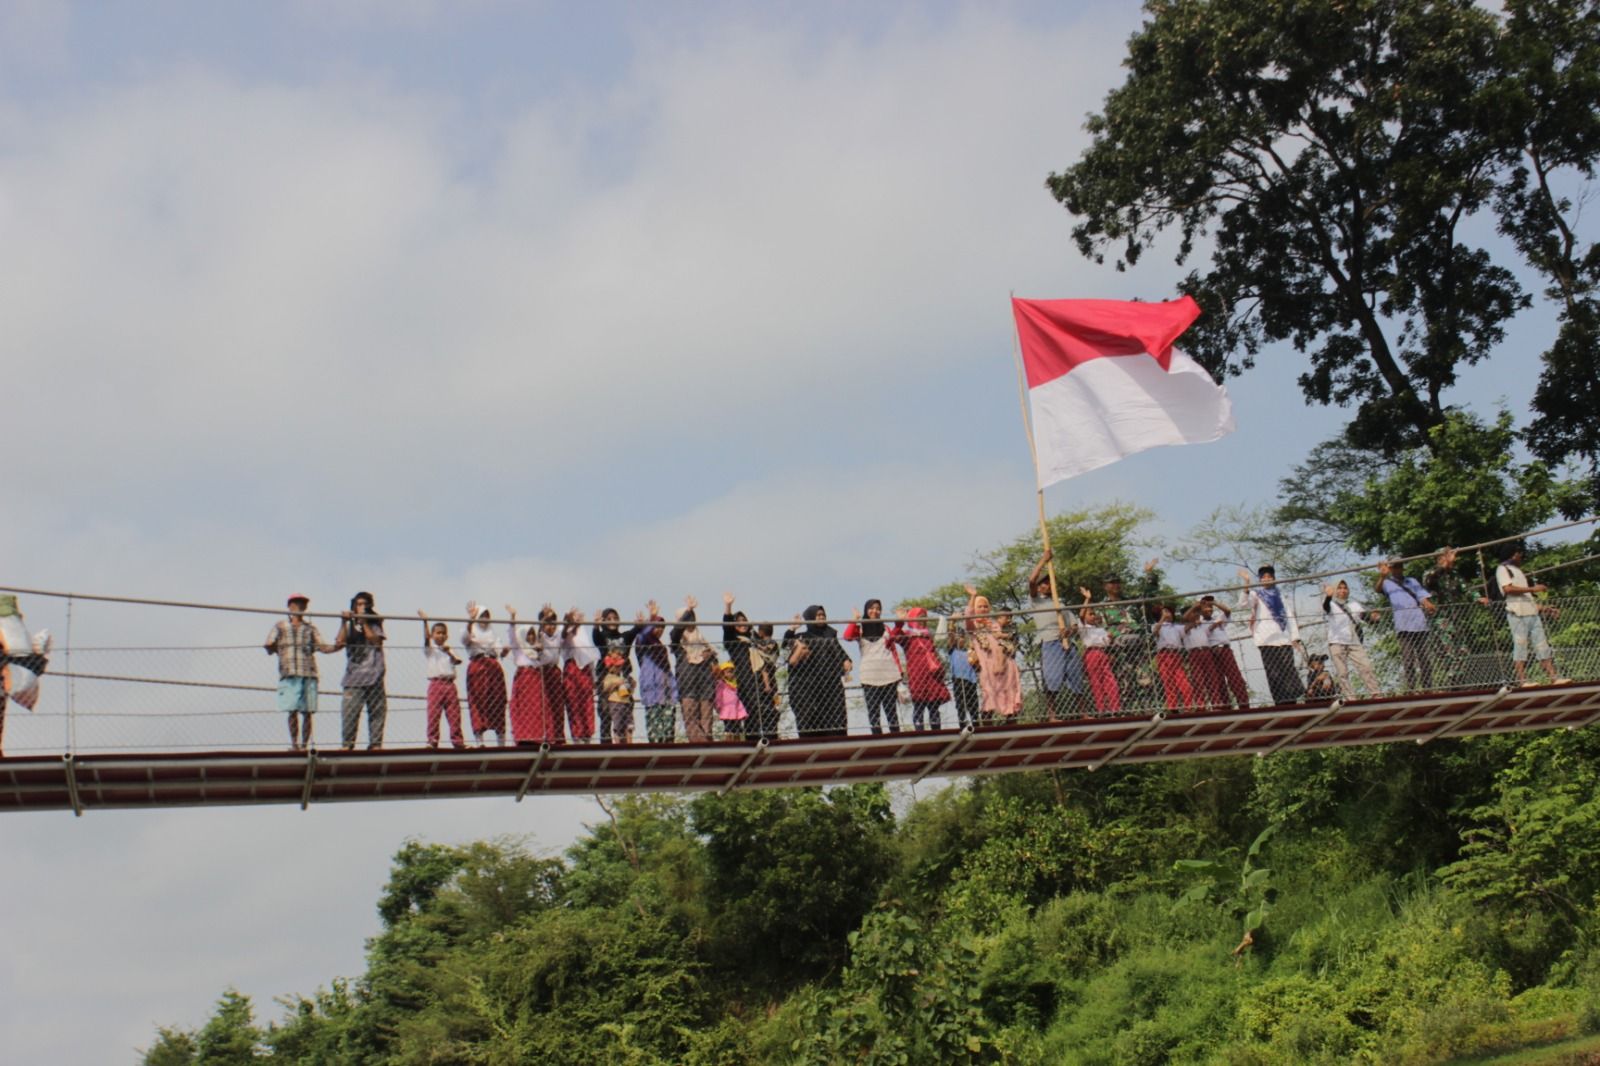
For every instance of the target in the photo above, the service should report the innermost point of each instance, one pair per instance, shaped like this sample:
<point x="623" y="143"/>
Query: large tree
<point x="1550" y="103"/>
<point x="1331" y="158"/>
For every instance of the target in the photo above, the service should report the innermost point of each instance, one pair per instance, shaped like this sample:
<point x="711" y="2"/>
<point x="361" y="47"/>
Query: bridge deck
<point x="91" y="781"/>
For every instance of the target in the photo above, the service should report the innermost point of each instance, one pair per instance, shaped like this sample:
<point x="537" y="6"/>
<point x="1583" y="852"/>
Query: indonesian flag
<point x="1104" y="382"/>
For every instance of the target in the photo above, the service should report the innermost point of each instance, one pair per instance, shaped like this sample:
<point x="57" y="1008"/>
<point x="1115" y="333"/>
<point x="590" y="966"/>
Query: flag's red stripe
<point x="1057" y="335"/>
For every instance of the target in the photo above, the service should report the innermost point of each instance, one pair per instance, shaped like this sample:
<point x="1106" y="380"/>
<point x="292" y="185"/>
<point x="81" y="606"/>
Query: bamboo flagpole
<point x="1033" y="454"/>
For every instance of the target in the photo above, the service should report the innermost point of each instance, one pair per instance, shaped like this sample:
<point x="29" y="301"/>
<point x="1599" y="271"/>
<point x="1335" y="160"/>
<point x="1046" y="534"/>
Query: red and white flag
<point x="1104" y="382"/>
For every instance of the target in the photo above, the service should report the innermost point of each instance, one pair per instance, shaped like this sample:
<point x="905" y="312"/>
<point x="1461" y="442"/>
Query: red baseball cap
<point x="301" y="596"/>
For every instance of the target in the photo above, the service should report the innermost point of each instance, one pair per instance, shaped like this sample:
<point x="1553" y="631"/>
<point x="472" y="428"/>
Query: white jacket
<point x="1263" y="627"/>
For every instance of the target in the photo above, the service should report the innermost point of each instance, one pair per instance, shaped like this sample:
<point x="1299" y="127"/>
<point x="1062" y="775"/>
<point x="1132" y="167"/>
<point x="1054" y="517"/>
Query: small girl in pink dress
<point x="729" y="707"/>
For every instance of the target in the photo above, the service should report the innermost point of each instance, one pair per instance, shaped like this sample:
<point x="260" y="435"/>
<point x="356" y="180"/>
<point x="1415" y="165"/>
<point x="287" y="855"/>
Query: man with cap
<point x="1131" y="648"/>
<point x="1410" y="605"/>
<point x="295" y="642"/>
<point x="1060" y="664"/>
<point x="1522" y="615"/>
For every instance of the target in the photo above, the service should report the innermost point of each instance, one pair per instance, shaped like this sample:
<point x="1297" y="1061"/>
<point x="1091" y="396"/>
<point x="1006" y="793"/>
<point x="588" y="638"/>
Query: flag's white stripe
<point x="1116" y="405"/>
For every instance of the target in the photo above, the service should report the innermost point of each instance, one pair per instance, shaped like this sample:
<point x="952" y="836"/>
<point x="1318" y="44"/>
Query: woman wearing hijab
<point x="994" y="654"/>
<point x="1276" y="633"/>
<point x="658" y="691"/>
<point x="880" y="665"/>
<point x="697" y="680"/>
<point x="486" y="680"/>
<point x="361" y="636"/>
<point x="536" y="680"/>
<point x="924" y="670"/>
<point x="817" y="669"/>
<point x="579" y="657"/>
<point x="610" y="638"/>
<point x="739" y="641"/>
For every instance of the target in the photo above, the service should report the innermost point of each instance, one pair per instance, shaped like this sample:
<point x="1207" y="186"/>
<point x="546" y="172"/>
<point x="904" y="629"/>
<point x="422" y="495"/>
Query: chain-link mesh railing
<point x="125" y="678"/>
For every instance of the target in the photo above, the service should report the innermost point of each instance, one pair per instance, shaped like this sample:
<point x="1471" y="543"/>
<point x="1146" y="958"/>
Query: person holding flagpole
<point x="1100" y="380"/>
<point x="1059" y="661"/>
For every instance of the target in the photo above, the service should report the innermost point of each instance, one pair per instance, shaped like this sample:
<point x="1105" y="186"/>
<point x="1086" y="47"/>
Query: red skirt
<point x="1175" y="679"/>
<point x="486" y="696"/>
<point x="1102" y="681"/>
<point x="537" y="696"/>
<point x="580" y="702"/>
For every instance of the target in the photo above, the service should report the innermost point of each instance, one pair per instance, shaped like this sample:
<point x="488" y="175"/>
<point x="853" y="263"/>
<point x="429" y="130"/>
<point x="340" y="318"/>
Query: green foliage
<point x="791" y="874"/>
<point x="419" y="871"/>
<point x="906" y="997"/>
<point x="1234" y="536"/>
<point x="1550" y="104"/>
<point x="230" y="1036"/>
<point x="1025" y="919"/>
<point x="1332" y="157"/>
<point x="1169" y="1004"/>
<point x="1087" y="544"/>
<point x="1244" y="890"/>
<point x="172" y="1047"/>
<point x="1334" y="153"/>
<point x="1463" y="488"/>
<point x="1531" y="861"/>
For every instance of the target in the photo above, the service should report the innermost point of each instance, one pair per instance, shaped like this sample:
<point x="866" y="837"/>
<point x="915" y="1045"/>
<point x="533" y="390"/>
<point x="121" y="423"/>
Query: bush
<point x="1158" y="1005"/>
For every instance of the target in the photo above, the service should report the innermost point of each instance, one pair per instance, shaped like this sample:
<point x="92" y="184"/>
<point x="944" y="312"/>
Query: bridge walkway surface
<point x="93" y="781"/>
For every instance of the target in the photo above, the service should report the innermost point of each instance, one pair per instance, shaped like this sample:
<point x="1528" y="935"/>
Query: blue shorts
<point x="297" y="694"/>
<point x="1528" y="629"/>
<point x="1062" y="667"/>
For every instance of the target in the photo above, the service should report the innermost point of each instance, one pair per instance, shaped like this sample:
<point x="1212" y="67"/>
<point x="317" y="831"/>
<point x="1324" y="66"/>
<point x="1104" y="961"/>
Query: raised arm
<point x="853" y="630"/>
<point x="1038" y="568"/>
<point x="1149" y="588"/>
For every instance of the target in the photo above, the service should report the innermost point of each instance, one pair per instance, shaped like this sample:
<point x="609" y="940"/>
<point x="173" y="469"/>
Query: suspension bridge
<point x="126" y="723"/>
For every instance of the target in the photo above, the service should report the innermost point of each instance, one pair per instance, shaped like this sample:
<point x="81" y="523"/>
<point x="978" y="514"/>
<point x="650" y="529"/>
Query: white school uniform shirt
<point x="1217" y="630"/>
<point x="548" y="651"/>
<point x="436" y="663"/>
<point x="1195" y="639"/>
<point x="480" y="640"/>
<point x="1520" y="604"/>
<point x="524" y="656"/>
<point x="1169" y="636"/>
<point x="579" y="648"/>
<point x="1263" y="626"/>
<point x="1094" y="636"/>
<point x="1342" y="626"/>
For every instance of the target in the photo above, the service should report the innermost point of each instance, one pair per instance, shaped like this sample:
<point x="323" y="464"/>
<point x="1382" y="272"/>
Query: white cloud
<point x="213" y="278"/>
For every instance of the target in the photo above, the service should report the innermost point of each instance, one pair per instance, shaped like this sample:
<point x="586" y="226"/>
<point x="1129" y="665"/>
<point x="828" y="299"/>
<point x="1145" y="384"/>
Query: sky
<point x="517" y="302"/>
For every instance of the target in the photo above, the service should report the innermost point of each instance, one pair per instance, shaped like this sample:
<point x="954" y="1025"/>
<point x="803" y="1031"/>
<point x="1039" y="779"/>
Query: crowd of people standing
<point x="577" y="680"/>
